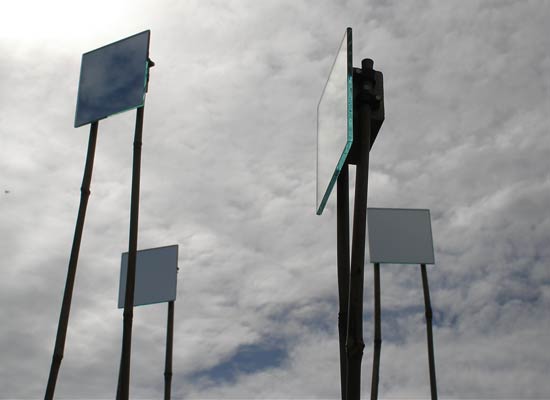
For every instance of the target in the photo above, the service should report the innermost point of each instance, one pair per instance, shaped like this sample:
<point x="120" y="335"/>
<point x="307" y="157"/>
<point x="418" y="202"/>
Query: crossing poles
<point x="349" y="115"/>
<point x="368" y="118"/>
<point x="101" y="95"/>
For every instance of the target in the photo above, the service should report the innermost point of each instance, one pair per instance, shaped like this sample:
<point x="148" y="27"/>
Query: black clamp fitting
<point x="368" y="90"/>
<point x="150" y="64"/>
<point x="367" y="81"/>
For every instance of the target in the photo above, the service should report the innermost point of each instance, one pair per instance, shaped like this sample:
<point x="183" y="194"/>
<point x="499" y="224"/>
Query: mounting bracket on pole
<point x="368" y="115"/>
<point x="368" y="88"/>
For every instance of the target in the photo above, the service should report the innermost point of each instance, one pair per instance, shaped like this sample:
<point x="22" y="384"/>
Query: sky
<point x="228" y="174"/>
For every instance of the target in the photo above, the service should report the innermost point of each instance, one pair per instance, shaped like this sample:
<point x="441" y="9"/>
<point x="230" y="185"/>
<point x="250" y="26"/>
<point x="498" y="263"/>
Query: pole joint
<point x="355" y="348"/>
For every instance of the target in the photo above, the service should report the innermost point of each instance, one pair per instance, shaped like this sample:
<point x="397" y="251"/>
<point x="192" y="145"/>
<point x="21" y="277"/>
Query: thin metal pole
<point x="73" y="261"/>
<point x="428" y="310"/>
<point x="377" y="334"/>
<point x="124" y="376"/>
<point x="169" y="343"/>
<point x="354" y="343"/>
<point x="342" y="234"/>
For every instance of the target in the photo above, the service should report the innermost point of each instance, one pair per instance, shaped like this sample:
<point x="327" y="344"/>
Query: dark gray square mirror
<point x="113" y="79"/>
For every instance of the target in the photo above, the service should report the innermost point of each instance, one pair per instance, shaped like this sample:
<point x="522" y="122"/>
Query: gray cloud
<point x="228" y="174"/>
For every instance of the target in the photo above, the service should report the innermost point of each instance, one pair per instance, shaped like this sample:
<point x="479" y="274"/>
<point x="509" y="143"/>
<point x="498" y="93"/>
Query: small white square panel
<point x="156" y="276"/>
<point x="400" y="236"/>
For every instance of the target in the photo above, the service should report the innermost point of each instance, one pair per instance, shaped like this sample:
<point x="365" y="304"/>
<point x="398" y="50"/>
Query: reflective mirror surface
<point x="400" y="236"/>
<point x="156" y="276"/>
<point x="112" y="79"/>
<point x="335" y="122"/>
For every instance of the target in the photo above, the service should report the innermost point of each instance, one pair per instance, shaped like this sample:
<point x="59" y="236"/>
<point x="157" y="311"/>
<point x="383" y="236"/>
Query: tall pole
<point x="73" y="261"/>
<point x="354" y="343"/>
<point x="124" y="375"/>
<point x="377" y="334"/>
<point x="428" y="310"/>
<point x="169" y="343"/>
<point x="342" y="234"/>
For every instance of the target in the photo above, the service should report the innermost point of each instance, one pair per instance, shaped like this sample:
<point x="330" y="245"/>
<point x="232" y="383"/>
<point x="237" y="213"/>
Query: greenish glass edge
<point x="350" y="111"/>
<point x="346" y="150"/>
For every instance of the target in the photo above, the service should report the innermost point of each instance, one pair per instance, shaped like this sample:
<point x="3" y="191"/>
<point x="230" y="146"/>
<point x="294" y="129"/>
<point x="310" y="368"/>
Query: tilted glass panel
<point x="335" y="122"/>
<point x="112" y="79"/>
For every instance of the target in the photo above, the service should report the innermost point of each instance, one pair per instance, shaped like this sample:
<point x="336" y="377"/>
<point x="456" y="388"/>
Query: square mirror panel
<point x="113" y="79"/>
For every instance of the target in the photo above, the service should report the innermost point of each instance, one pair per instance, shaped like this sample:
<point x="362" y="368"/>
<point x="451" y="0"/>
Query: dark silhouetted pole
<point x="377" y="334"/>
<point x="169" y="343"/>
<point x="73" y="261"/>
<point x="428" y="310"/>
<point x="124" y="375"/>
<point x="354" y="343"/>
<point x="342" y="233"/>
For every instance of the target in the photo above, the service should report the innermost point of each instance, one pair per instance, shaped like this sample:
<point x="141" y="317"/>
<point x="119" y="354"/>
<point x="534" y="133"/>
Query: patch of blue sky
<point x="248" y="359"/>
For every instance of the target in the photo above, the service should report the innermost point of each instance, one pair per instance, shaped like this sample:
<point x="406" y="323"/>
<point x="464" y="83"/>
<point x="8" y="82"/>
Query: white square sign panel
<point x="156" y="276"/>
<point x="400" y="236"/>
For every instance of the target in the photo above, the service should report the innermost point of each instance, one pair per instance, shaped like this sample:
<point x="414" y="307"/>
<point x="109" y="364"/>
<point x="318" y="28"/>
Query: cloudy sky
<point x="228" y="173"/>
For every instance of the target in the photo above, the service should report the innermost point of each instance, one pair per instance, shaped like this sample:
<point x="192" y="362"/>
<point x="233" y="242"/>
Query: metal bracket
<point x="368" y="90"/>
<point x="150" y="64"/>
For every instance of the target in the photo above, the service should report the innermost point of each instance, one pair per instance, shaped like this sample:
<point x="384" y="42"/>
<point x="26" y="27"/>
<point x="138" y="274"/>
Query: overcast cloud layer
<point x="228" y="173"/>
